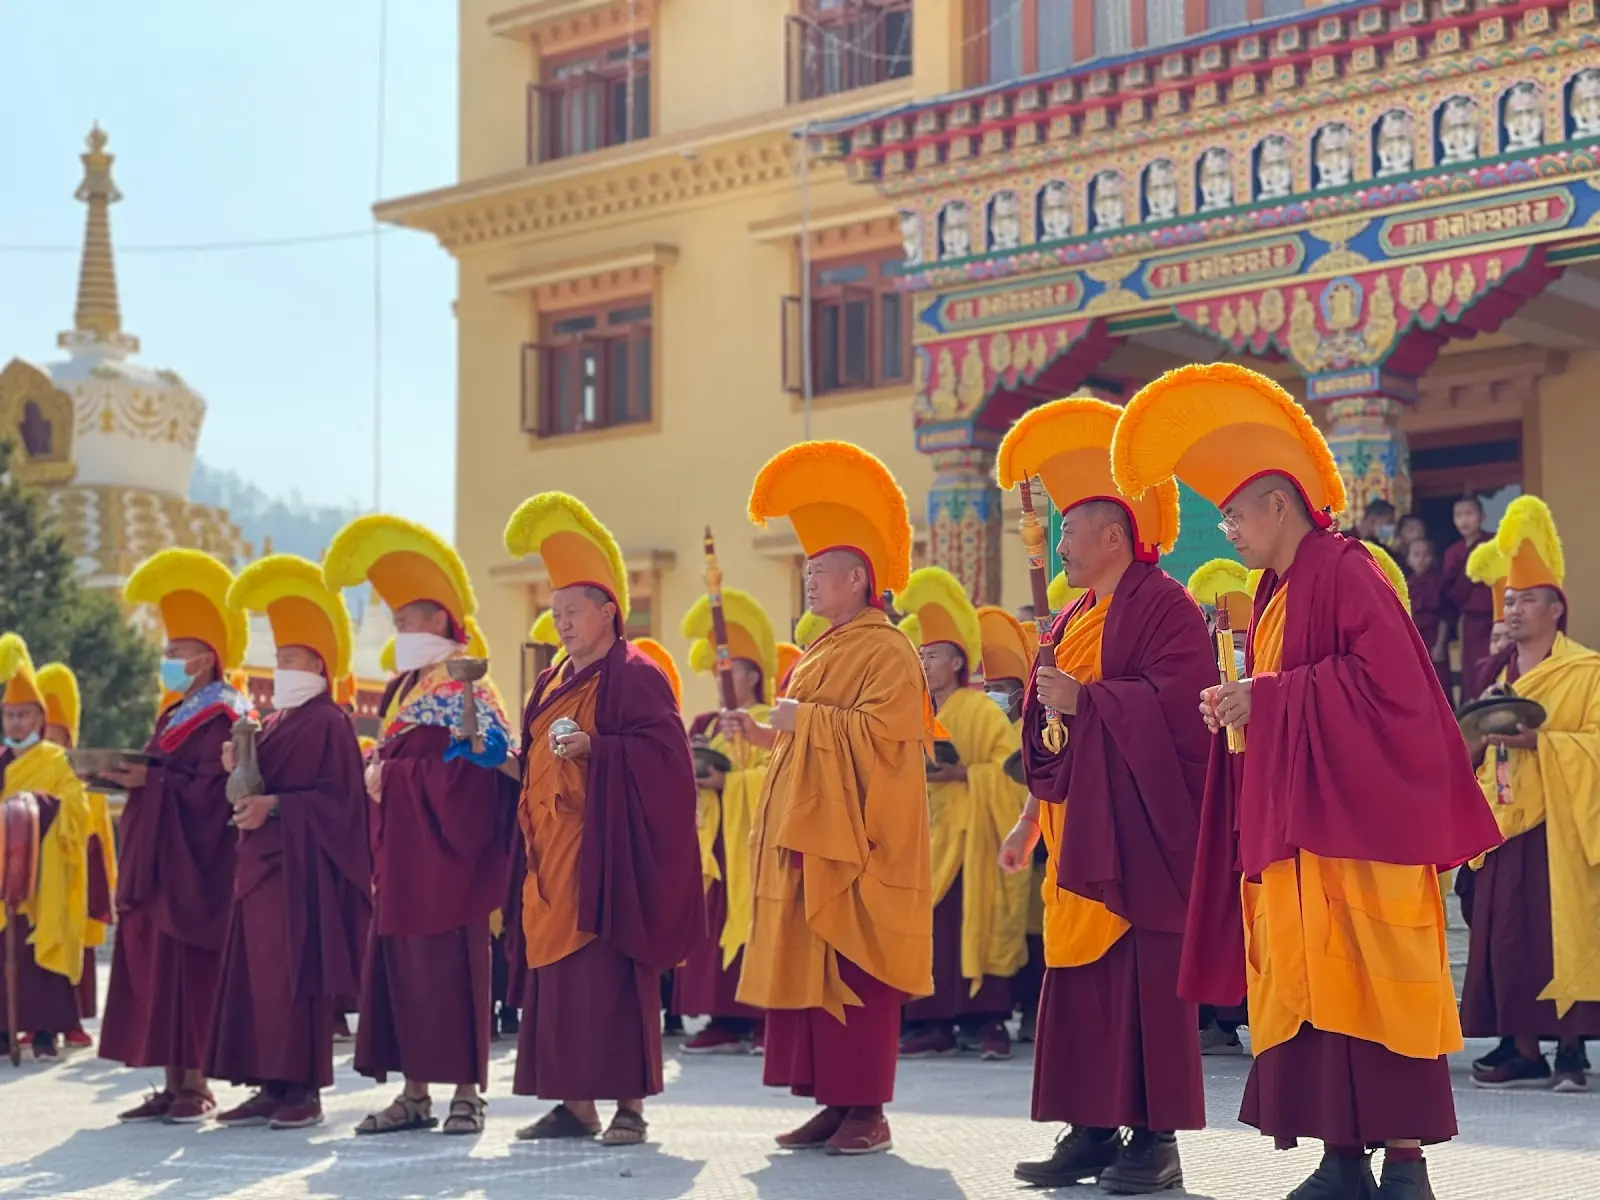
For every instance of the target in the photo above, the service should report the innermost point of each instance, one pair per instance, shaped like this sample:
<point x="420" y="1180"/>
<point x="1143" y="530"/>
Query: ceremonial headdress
<point x="576" y="549"/>
<point x="788" y="655"/>
<point x="809" y="628"/>
<point x="300" y="607"/>
<point x="1392" y="572"/>
<point x="367" y="744"/>
<point x="839" y="497"/>
<point x="1531" y="547"/>
<point x="405" y="563"/>
<point x="750" y="636"/>
<point x="1067" y="444"/>
<point x="1488" y="566"/>
<point x="662" y="657"/>
<point x="344" y="690"/>
<point x="20" y="684"/>
<point x="477" y="644"/>
<point x="1061" y="594"/>
<point x="1008" y="646"/>
<point x="63" y="703"/>
<point x="1225" y="583"/>
<point x="1218" y="427"/>
<point x="386" y="657"/>
<point x="190" y="590"/>
<point x="944" y="614"/>
<point x="543" y="630"/>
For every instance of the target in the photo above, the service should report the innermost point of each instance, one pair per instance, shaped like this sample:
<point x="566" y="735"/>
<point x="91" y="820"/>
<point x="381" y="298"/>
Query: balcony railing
<point x="837" y="45"/>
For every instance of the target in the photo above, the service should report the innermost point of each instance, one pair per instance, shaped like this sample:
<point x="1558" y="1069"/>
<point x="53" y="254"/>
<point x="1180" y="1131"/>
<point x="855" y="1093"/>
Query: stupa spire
<point x="97" y="320"/>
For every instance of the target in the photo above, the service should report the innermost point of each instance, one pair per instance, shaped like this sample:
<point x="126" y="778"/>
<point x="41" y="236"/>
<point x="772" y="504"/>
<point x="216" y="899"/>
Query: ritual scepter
<point x="1033" y="543"/>
<point x="1228" y="667"/>
<point x="719" y="636"/>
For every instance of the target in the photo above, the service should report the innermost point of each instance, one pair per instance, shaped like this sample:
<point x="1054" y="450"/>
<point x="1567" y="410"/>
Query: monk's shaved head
<point x="1096" y="545"/>
<point x="838" y="585"/>
<point x="1265" y="520"/>
<point x="1534" y="615"/>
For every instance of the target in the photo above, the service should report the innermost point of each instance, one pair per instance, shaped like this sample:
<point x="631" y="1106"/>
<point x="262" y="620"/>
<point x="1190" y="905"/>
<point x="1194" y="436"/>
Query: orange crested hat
<point x="405" y="564"/>
<point x="1067" y="444"/>
<point x="300" y="607"/>
<point x="750" y="636"/>
<point x="1225" y="583"/>
<point x="662" y="657"/>
<point x="943" y="612"/>
<point x="839" y="497"/>
<point x="1218" y="427"/>
<point x="1528" y="541"/>
<point x="63" y="703"/>
<point x="788" y="655"/>
<point x="576" y="549"/>
<point x="20" y="684"/>
<point x="1008" y="648"/>
<point x="190" y="590"/>
<point x="1487" y="565"/>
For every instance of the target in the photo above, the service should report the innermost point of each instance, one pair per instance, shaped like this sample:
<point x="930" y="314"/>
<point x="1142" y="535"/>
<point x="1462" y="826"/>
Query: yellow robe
<point x="733" y="812"/>
<point x="968" y="821"/>
<point x="847" y="794"/>
<point x="1350" y="947"/>
<point x="59" y="909"/>
<point x="1558" y="784"/>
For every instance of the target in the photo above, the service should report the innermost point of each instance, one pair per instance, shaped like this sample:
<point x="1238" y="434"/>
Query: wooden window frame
<point x="856" y="33"/>
<point x="616" y="323"/>
<point x="548" y="99"/>
<point x="981" y="13"/>
<point x="878" y="291"/>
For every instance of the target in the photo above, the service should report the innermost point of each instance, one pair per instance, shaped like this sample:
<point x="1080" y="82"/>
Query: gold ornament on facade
<point x="970" y="392"/>
<point x="1493" y="269"/>
<point x="1413" y="287"/>
<point x="1247" y="318"/>
<point x="1227" y="323"/>
<point x="1443" y="286"/>
<point x="1466" y="283"/>
<point x="1272" y="310"/>
<point x="1382" y="325"/>
<point x="1303" y="336"/>
<point x="1344" y="306"/>
<point x="944" y="401"/>
<point x="38" y="417"/>
<point x="1000" y="353"/>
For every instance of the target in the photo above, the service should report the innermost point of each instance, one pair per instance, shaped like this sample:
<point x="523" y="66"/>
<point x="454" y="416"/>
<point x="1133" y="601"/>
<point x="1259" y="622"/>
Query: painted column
<point x="964" y="523"/>
<point x="1361" y="421"/>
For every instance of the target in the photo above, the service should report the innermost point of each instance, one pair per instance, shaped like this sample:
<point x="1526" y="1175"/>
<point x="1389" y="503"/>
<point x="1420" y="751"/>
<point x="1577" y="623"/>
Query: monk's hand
<point x="229" y="758"/>
<point x="1208" y="709"/>
<point x="1233" y="704"/>
<point x="570" y="745"/>
<point x="129" y="775"/>
<point x="1058" y="689"/>
<point x="254" y="811"/>
<point x="1016" y="852"/>
<point x="785" y="715"/>
<point x="373" y="776"/>
<point x="948" y="773"/>
<point x="1523" y="739"/>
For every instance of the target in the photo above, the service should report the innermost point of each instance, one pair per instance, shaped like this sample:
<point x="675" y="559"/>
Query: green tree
<point x="62" y="621"/>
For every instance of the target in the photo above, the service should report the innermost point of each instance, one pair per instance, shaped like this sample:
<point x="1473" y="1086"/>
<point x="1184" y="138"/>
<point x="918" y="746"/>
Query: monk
<point x="63" y="707"/>
<point x="1316" y="885"/>
<point x="1118" y="1053"/>
<point x="1469" y="607"/>
<point x="178" y="846"/>
<point x="613" y="892"/>
<point x="1426" y="581"/>
<point x="842" y="930"/>
<point x="302" y="894"/>
<point x="1531" y="968"/>
<point x="980" y="914"/>
<point x="52" y="921"/>
<point x="1487" y="567"/>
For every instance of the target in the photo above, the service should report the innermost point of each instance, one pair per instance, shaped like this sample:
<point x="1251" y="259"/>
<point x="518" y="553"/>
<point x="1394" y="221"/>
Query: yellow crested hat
<point x="750" y="635"/>
<point x="63" y="704"/>
<point x="477" y="644"/>
<point x="1218" y="427"/>
<point x="576" y="549"/>
<point x="190" y="590"/>
<point x="21" y="685"/>
<point x="405" y="564"/>
<point x="944" y="613"/>
<point x="839" y="497"/>
<point x="1392" y="572"/>
<point x="1224" y="582"/>
<point x="809" y="628"/>
<point x="543" y="630"/>
<point x="386" y="656"/>
<point x="788" y="655"/>
<point x="367" y="744"/>
<point x="1067" y="444"/>
<point x="1008" y="650"/>
<point x="300" y="607"/>
<point x="1487" y="565"/>
<point x="1061" y="594"/>
<point x="662" y="657"/>
<point x="1528" y="541"/>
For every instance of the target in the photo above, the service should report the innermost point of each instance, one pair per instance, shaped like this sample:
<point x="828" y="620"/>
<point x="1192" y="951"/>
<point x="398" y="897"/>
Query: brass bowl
<point x="1499" y="715"/>
<point x="466" y="670"/>
<point x="944" y="755"/>
<point x="92" y="766"/>
<point x="707" y="760"/>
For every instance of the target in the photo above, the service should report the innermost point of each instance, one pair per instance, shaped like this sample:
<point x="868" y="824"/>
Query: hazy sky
<point x="234" y="122"/>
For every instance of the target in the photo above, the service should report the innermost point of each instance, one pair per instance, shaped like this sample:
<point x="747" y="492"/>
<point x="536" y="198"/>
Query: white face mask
<point x="1238" y="660"/>
<point x="413" y="651"/>
<point x="1003" y="699"/>
<point x="291" y="689"/>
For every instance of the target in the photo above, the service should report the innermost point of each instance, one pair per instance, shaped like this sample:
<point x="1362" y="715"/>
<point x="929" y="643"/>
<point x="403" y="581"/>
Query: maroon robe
<point x="302" y="887"/>
<point x="174" y="893"/>
<point x="952" y="996"/>
<point x="1353" y="719"/>
<point x="1468" y="607"/>
<point x="701" y="986"/>
<point x="46" y="1001"/>
<point x="840" y="1064"/>
<point x="100" y="904"/>
<point x="439" y="861"/>
<point x="591" y="1026"/>
<point x="1116" y="1045"/>
<point x="1428" y="612"/>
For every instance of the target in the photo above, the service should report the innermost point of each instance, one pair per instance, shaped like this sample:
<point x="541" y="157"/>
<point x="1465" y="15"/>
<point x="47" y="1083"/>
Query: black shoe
<point x="1339" y="1179"/>
<point x="1404" y="1181"/>
<point x="1503" y="1053"/>
<point x="672" y="1026"/>
<point x="1080" y="1154"/>
<point x="1148" y="1163"/>
<point x="510" y="1021"/>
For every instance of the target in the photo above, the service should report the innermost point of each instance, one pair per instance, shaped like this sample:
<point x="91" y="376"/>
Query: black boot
<point x="1081" y="1153"/>
<point x="1404" y="1180"/>
<point x="1147" y="1164"/>
<point x="1339" y="1179"/>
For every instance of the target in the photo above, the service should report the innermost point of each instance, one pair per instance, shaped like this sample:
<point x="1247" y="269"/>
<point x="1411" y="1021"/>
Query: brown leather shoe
<point x="814" y="1134"/>
<point x="1147" y="1163"/>
<point x="861" y="1132"/>
<point x="154" y="1108"/>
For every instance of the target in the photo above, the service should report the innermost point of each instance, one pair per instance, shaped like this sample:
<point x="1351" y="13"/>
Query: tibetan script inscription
<point x="997" y="306"/>
<point x="1464" y="224"/>
<point x="1176" y="273"/>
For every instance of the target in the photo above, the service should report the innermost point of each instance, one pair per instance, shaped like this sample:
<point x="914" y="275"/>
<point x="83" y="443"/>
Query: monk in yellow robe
<point x="843" y="911"/>
<point x="52" y="922"/>
<point x="1344" y="792"/>
<point x="1532" y="969"/>
<point x="979" y="915"/>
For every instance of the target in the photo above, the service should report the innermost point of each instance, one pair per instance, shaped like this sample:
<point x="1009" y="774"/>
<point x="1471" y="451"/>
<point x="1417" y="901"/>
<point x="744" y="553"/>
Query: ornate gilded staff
<point x="1033" y="542"/>
<point x="719" y="635"/>
<point x="1228" y="666"/>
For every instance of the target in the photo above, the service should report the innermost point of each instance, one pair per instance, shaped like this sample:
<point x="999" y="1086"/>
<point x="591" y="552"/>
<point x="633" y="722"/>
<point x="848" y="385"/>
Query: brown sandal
<point x="402" y="1116"/>
<point x="559" y="1122"/>
<point x="627" y="1128"/>
<point x="466" y="1115"/>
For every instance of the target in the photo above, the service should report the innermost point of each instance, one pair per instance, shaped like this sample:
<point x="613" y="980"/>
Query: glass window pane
<point x="641" y="377"/>
<point x="589" y="384"/>
<point x="896" y="45"/>
<point x="1056" y="51"/>
<point x="893" y="337"/>
<point x="1282" y="8"/>
<point x="641" y="105"/>
<point x="627" y="316"/>
<point x="839" y="276"/>
<point x="857" y="319"/>
<point x="826" y="335"/>
<point x="1164" y="21"/>
<point x="1005" y="39"/>
<point x="571" y="325"/>
<point x="1225" y="12"/>
<point x="618" y="379"/>
<point x="562" y="403"/>
<point x="1113" y="27"/>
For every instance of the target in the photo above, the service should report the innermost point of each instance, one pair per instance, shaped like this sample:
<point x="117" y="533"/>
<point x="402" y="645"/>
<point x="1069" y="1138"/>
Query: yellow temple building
<point x="690" y="234"/>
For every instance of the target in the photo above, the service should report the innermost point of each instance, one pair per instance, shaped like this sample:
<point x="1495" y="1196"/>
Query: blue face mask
<point x="18" y="745"/>
<point x="175" y="676"/>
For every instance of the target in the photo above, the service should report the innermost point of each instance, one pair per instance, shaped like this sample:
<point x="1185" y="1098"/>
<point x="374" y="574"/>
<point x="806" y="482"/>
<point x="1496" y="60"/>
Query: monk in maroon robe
<point x="613" y="895"/>
<point x="174" y="891"/>
<point x="1117" y="1049"/>
<point x="439" y="832"/>
<point x="299" y="898"/>
<point x="1468" y="607"/>
<point x="1426" y="582"/>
